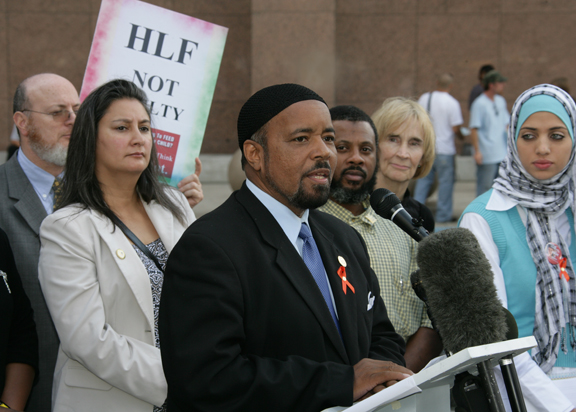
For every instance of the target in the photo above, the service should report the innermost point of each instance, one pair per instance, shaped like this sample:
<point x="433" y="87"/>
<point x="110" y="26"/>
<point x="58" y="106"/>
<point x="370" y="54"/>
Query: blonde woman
<point x="406" y="151"/>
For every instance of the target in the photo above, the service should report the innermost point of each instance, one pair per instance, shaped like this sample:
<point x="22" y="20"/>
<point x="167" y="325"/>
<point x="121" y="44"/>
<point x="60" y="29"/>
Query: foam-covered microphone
<point x="386" y="204"/>
<point x="459" y="285"/>
<point x="460" y="288"/>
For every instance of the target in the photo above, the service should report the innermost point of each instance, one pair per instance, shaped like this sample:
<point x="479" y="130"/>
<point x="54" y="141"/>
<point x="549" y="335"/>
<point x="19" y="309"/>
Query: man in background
<point x="392" y="252"/>
<point x="44" y="113"/>
<point x="478" y="89"/>
<point x="446" y="116"/>
<point x="489" y="119"/>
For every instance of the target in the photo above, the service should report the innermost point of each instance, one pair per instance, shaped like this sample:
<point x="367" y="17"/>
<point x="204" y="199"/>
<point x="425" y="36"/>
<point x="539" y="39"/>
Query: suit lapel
<point x="345" y="303"/>
<point x="297" y="272"/>
<point x="130" y="266"/>
<point x="163" y="222"/>
<point x="20" y="189"/>
<point x="292" y="265"/>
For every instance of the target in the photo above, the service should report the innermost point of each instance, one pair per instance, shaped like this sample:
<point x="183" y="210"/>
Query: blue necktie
<point x="313" y="260"/>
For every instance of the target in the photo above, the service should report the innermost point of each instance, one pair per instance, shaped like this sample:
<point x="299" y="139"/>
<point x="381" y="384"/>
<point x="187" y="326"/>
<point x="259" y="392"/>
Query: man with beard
<point x="44" y="113"/>
<point x="268" y="304"/>
<point x="392" y="252"/>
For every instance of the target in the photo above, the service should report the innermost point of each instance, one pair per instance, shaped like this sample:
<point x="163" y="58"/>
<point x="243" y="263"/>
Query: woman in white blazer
<point x="102" y="289"/>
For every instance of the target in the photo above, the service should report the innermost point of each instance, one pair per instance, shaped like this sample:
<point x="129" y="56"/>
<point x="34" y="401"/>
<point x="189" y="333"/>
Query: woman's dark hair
<point x="80" y="184"/>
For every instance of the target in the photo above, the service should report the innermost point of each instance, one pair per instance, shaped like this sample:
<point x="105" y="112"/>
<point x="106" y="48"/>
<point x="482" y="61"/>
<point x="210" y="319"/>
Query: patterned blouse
<point x="156" y="279"/>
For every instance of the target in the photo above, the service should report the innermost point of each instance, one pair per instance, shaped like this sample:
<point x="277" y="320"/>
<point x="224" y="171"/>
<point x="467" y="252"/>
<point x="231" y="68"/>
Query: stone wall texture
<point x="350" y="51"/>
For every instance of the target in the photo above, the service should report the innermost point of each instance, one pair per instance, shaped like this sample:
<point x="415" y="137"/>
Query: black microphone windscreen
<point x="383" y="201"/>
<point x="511" y="324"/>
<point x="459" y="285"/>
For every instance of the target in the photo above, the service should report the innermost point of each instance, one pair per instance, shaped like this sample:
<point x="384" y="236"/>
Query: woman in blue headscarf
<point x="525" y="226"/>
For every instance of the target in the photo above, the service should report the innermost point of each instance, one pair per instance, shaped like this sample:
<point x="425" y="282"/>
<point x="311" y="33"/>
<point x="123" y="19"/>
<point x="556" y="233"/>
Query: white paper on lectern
<point x="402" y="389"/>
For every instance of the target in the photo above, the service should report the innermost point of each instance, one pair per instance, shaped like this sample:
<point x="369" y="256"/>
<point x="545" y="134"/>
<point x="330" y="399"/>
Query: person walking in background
<point x="525" y="227"/>
<point x="103" y="254"/>
<point x="478" y="88"/>
<point x="488" y="121"/>
<point x="444" y="110"/>
<point x="406" y="151"/>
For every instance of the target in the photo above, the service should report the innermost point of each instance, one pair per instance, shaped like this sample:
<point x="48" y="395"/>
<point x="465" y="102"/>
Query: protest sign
<point x="174" y="58"/>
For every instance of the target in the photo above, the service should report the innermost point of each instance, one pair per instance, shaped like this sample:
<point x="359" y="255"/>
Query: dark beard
<point x="342" y="195"/>
<point x="302" y="200"/>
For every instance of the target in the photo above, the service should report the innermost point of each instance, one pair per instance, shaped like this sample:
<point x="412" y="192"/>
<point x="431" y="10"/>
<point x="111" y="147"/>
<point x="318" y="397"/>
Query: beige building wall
<point x="389" y="48"/>
<point x="350" y="51"/>
<point x="294" y="41"/>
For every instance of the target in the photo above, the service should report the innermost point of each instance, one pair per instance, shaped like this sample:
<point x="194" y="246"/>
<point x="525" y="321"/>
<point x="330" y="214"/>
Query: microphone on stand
<point x="455" y="278"/>
<point x="459" y="284"/>
<point x="386" y="204"/>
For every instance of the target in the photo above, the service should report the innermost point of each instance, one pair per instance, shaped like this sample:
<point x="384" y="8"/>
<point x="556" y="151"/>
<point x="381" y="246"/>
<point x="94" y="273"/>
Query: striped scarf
<point x="544" y="200"/>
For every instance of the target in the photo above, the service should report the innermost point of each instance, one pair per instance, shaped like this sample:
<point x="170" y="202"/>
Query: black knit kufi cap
<point x="263" y="105"/>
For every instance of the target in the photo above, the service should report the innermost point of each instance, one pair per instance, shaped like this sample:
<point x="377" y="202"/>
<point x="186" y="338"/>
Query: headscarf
<point x="543" y="201"/>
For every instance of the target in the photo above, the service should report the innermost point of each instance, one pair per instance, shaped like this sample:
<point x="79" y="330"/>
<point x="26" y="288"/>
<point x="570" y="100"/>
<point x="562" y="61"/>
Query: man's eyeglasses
<point x="59" y="115"/>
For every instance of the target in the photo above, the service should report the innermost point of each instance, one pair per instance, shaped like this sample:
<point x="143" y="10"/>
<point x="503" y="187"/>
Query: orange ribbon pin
<point x="563" y="273"/>
<point x="342" y="274"/>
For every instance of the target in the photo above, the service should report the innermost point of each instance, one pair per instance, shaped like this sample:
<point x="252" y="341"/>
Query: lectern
<point x="429" y="390"/>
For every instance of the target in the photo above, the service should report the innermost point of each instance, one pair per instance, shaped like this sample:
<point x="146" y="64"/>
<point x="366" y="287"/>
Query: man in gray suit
<point x="45" y="107"/>
<point x="44" y="112"/>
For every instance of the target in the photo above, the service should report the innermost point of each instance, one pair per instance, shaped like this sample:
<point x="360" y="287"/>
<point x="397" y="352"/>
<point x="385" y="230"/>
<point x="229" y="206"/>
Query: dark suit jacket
<point x="18" y="339"/>
<point x="21" y="214"/>
<point x="244" y="327"/>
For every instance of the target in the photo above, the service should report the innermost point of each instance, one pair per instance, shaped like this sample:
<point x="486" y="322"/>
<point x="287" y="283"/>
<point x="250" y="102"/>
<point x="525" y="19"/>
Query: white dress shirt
<point x="289" y="222"/>
<point x="40" y="180"/>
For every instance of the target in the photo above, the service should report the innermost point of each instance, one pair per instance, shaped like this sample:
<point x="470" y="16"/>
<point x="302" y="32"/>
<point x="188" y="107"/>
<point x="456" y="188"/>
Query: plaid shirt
<point x="393" y="258"/>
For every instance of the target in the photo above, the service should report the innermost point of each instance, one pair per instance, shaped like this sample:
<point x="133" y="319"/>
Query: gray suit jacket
<point x="21" y="214"/>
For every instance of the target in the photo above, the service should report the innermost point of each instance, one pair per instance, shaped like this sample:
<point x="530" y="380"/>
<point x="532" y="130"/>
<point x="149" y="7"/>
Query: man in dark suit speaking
<point x="267" y="304"/>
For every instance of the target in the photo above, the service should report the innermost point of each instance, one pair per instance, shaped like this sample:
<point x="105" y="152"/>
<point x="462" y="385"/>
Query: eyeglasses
<point x="59" y="115"/>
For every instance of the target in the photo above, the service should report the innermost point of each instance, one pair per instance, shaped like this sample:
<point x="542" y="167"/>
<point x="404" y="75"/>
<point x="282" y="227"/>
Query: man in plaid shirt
<point x="392" y="252"/>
